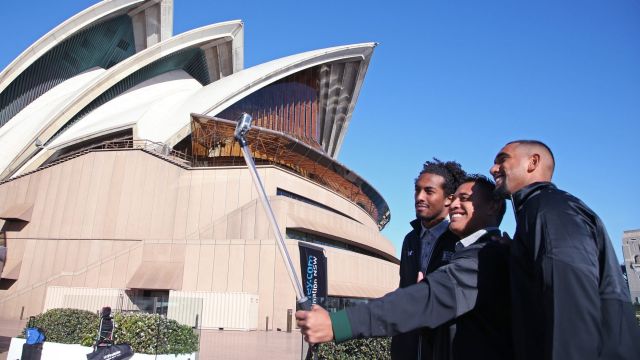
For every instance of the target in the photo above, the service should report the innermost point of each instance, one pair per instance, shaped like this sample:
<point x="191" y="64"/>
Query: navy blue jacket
<point x="569" y="298"/>
<point x="418" y="344"/>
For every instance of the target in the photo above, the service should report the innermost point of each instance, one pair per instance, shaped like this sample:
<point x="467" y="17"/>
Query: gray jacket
<point x="472" y="292"/>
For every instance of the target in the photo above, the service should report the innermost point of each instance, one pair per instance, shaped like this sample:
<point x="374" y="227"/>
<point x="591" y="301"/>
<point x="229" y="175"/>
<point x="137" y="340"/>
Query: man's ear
<point x="534" y="162"/>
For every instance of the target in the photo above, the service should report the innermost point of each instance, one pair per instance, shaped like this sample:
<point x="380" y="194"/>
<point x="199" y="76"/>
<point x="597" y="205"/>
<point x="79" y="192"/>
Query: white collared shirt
<point x="471" y="239"/>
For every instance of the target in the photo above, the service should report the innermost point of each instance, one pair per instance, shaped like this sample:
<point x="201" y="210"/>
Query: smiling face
<point x="430" y="199"/>
<point x="509" y="169"/>
<point x="471" y="210"/>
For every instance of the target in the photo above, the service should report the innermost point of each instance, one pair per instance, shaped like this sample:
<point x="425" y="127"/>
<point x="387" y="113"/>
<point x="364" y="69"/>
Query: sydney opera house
<point x="120" y="177"/>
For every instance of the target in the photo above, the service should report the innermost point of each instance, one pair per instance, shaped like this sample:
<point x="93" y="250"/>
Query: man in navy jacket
<point x="428" y="246"/>
<point x="568" y="295"/>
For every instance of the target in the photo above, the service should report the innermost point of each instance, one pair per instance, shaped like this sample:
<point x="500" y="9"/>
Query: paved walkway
<point x="228" y="345"/>
<point x="214" y="344"/>
<point x="9" y="329"/>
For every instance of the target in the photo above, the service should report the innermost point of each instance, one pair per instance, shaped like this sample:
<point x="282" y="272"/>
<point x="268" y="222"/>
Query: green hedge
<point x="146" y="333"/>
<point x="151" y="334"/>
<point x="68" y="326"/>
<point x="378" y="348"/>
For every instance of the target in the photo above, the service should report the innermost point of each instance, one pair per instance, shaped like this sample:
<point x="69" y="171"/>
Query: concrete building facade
<point x="631" y="253"/>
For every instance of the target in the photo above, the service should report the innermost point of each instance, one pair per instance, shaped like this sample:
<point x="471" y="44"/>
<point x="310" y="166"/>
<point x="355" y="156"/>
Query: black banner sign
<point x="313" y="268"/>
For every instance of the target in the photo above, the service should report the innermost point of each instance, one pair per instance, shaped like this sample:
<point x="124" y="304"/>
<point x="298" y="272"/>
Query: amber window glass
<point x="288" y="105"/>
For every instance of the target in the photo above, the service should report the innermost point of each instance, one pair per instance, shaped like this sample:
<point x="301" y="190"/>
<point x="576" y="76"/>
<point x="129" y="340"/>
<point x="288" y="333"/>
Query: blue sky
<point x="454" y="80"/>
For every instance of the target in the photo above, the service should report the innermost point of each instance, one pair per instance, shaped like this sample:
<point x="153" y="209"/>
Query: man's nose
<point x="454" y="204"/>
<point x="493" y="169"/>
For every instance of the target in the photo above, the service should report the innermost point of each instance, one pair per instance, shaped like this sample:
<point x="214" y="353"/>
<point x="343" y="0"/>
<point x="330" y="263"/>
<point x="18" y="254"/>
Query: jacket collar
<point x="436" y="230"/>
<point x="416" y="224"/>
<point x="522" y="195"/>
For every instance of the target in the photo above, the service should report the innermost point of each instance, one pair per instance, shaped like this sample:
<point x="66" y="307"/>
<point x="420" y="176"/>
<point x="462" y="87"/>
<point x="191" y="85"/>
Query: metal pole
<point x="244" y="124"/>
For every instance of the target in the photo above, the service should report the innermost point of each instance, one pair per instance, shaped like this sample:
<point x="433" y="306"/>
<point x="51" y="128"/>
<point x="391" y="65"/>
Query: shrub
<point x="378" y="348"/>
<point x="151" y="334"/>
<point x="146" y="333"/>
<point x="67" y="326"/>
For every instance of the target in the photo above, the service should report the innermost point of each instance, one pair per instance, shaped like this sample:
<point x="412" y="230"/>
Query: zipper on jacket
<point x="419" y="347"/>
<point x="513" y="206"/>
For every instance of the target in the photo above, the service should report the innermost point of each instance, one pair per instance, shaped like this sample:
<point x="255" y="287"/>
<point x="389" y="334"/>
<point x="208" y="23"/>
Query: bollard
<point x="289" y="317"/>
<point x="266" y="325"/>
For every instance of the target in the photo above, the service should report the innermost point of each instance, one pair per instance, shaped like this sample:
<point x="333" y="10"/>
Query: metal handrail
<point x="152" y="146"/>
<point x="159" y="148"/>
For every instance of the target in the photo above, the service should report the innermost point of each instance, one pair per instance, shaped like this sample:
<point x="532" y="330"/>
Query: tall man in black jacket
<point x="472" y="291"/>
<point x="568" y="295"/>
<point x="427" y="246"/>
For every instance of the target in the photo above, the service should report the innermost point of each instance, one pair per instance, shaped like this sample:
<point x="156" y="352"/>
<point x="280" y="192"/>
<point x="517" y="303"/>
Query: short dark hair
<point x="451" y="171"/>
<point x="535" y="142"/>
<point x="488" y="188"/>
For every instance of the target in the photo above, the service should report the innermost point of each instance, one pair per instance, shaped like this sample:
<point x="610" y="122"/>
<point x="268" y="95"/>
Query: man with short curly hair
<point x="428" y="245"/>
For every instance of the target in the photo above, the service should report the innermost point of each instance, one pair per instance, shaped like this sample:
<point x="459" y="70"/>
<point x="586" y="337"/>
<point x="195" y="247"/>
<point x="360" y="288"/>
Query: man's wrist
<point x="341" y="326"/>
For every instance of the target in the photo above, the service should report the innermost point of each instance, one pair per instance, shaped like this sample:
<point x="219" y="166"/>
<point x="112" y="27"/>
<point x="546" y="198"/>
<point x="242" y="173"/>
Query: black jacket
<point x="569" y="297"/>
<point x="471" y="292"/>
<point x="409" y="345"/>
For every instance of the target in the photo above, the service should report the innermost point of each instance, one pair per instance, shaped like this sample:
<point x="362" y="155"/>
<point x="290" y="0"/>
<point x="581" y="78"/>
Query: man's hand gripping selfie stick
<point x="242" y="128"/>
